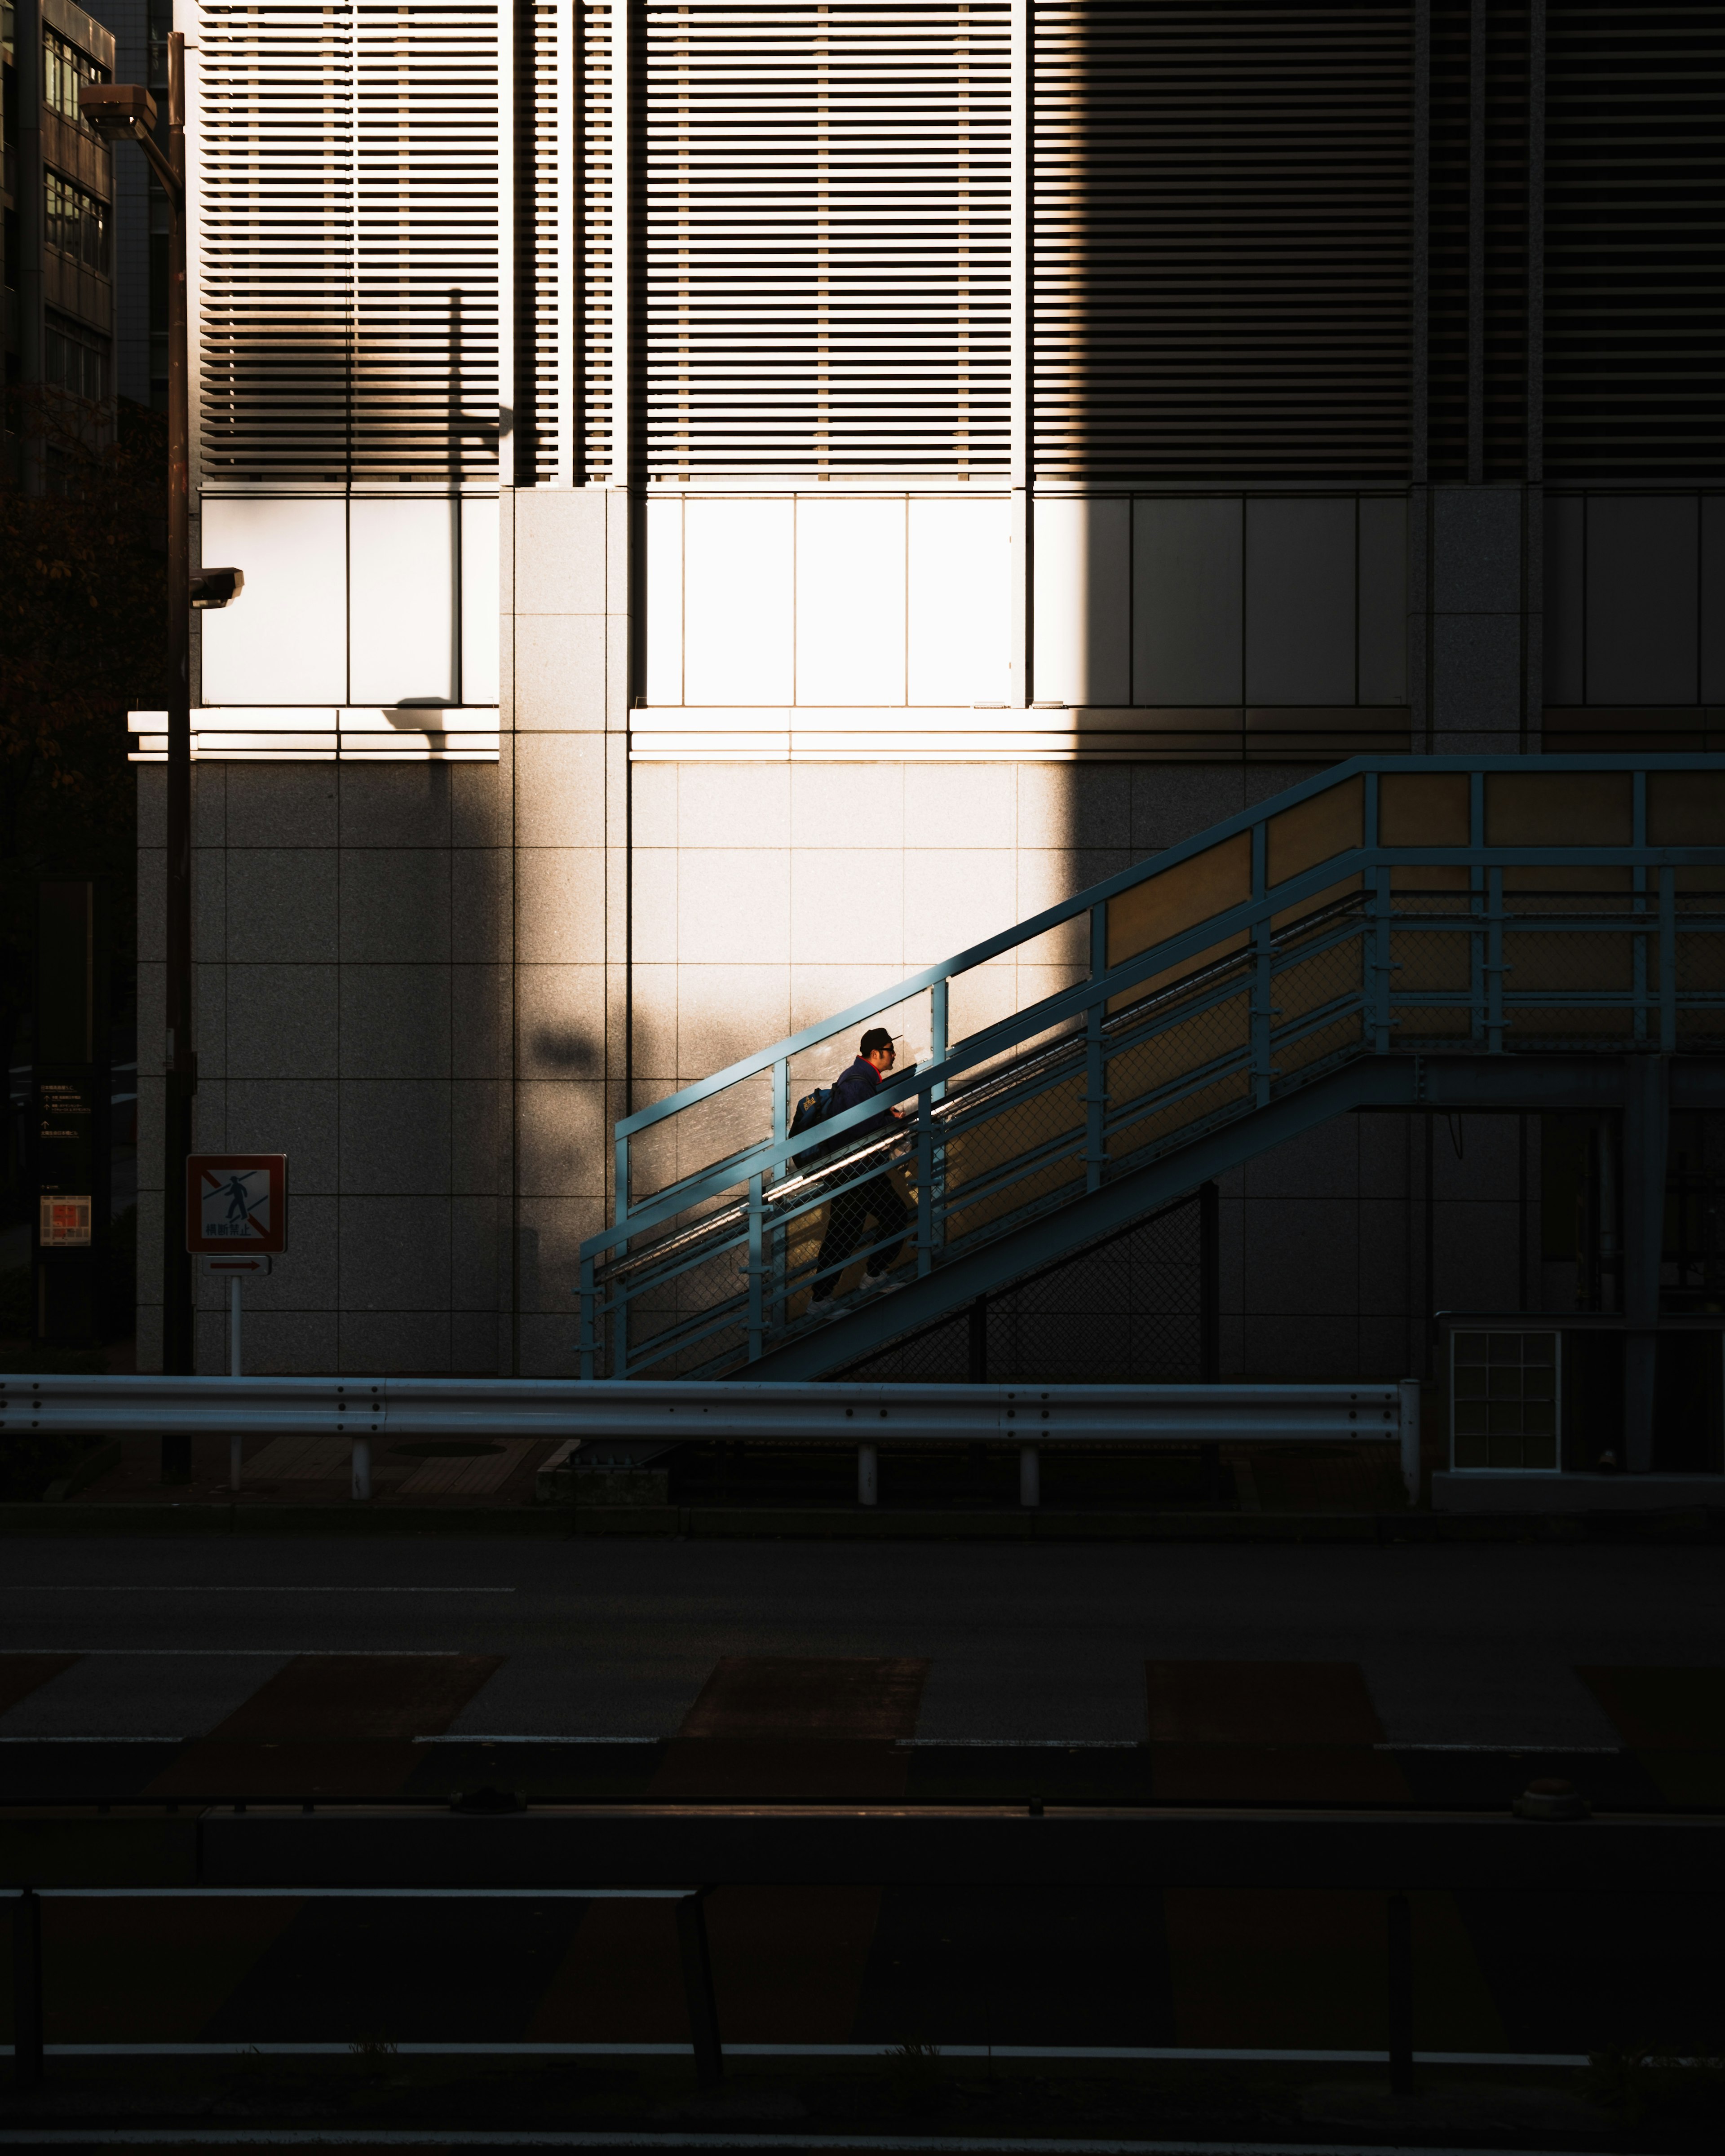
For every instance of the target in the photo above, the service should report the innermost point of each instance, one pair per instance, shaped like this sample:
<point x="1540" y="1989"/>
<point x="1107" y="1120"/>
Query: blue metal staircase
<point x="1438" y="931"/>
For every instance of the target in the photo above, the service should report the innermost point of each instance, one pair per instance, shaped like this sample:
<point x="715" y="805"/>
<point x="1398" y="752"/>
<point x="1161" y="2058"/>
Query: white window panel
<point x="481" y="599"/>
<point x="664" y="583"/>
<point x="401" y="609"/>
<point x="960" y="591"/>
<point x="851" y="601"/>
<point x="738" y="576"/>
<point x="284" y="639"/>
<point x="1082" y="559"/>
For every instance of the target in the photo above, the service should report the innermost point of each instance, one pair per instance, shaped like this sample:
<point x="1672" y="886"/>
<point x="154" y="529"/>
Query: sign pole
<point x="236" y="1221"/>
<point x="236" y="1443"/>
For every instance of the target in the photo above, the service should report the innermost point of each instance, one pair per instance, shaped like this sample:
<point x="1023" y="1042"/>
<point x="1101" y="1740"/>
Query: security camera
<point x="216" y="588"/>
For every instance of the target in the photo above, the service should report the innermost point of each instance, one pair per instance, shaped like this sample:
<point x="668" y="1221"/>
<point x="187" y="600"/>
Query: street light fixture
<point x="120" y="112"/>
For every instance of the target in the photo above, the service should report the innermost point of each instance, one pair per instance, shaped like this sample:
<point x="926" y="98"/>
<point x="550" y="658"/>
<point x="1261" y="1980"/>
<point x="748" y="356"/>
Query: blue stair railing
<point x="1422" y="905"/>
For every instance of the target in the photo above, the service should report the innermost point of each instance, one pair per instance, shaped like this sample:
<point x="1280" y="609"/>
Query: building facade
<point x="58" y="246"/>
<point x="737" y="508"/>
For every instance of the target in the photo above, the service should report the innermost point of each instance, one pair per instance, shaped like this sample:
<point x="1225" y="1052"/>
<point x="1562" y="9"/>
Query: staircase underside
<point x="1452" y="1083"/>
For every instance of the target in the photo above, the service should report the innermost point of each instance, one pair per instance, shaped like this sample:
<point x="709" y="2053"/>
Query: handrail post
<point x="1494" y="962"/>
<point x="27" y="1990"/>
<point x="932" y="1195"/>
<point x="1668" y="961"/>
<point x="756" y="1268"/>
<point x="1263" y="949"/>
<point x="1095" y="1066"/>
<point x="1401" y="1995"/>
<point x="925" y="1181"/>
<point x="698" y="1990"/>
<point x="1382" y="963"/>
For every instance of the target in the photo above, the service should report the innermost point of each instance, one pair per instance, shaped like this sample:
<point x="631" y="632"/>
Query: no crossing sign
<point x="236" y="1199"/>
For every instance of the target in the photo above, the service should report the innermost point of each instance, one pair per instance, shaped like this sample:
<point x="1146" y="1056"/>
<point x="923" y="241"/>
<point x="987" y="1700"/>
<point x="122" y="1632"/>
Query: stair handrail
<point x="1103" y="981"/>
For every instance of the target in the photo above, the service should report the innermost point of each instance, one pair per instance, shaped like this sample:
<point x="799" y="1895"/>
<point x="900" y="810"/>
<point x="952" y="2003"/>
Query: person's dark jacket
<point x="860" y="1083"/>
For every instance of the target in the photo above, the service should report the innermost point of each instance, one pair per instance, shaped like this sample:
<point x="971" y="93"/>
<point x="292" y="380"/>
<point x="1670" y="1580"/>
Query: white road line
<point x="1101" y="2053"/>
<point x="240" y="1587"/>
<point x="461" y="1736"/>
<point x="992" y="2144"/>
<point x="1606" y="1751"/>
<point x="251" y="1654"/>
<point x="1018" y="1743"/>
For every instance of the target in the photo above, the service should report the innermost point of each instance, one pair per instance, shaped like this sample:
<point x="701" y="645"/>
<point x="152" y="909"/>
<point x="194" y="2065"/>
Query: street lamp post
<point x="118" y="111"/>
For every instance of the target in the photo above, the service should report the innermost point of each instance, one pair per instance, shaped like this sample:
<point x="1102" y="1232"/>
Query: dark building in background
<point x="59" y="266"/>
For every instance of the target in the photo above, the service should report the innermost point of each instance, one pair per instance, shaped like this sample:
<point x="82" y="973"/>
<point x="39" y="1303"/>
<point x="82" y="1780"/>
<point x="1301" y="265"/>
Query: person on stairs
<point x="852" y="1209"/>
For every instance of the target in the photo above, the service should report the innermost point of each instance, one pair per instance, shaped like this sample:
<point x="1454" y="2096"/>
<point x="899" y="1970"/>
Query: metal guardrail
<point x="1427" y="906"/>
<point x="863" y="1415"/>
<point x="693" y="1954"/>
<point x="386" y="1852"/>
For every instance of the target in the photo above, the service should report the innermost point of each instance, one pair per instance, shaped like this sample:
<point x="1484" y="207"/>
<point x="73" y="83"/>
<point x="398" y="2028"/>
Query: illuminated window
<point x="64" y="66"/>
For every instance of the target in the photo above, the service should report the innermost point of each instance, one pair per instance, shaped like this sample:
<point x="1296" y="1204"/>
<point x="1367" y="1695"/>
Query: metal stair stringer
<point x="1457" y="1084"/>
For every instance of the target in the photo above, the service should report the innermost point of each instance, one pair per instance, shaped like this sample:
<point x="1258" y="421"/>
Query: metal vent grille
<point x="348" y="211"/>
<point x="1634" y="244"/>
<point x="825" y="280"/>
<point x="1222" y="239"/>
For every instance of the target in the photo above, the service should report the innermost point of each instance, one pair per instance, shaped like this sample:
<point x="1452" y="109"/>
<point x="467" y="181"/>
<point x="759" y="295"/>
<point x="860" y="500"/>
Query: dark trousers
<point x="849" y="1225"/>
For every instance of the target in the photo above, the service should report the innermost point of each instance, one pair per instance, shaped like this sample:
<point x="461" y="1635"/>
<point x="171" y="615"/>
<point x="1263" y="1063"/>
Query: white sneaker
<point x="879" y="1283"/>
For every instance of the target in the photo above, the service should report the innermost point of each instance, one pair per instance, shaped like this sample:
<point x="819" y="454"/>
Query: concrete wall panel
<point x="1188" y="596"/>
<point x="1300" y="635"/>
<point x="1643" y="575"/>
<point x="1082" y="561"/>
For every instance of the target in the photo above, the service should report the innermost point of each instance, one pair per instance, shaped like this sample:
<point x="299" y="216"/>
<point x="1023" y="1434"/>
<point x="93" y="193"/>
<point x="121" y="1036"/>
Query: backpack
<point x="811" y="1109"/>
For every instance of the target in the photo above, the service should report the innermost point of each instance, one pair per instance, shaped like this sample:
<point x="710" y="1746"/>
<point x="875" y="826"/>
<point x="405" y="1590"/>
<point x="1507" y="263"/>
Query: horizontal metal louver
<point x="825" y="273"/>
<point x="1223" y="194"/>
<point x="348" y="224"/>
<point x="1634" y="239"/>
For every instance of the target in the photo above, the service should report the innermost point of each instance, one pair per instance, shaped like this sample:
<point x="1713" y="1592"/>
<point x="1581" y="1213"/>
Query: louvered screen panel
<point x="825" y="277"/>
<point x="1634" y="320"/>
<point x="349" y="224"/>
<point x="592" y="261"/>
<point x="1222" y="208"/>
<point x="1503" y="266"/>
<point x="538" y="324"/>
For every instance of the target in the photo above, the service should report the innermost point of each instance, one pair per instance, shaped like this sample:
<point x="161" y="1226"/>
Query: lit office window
<point x="64" y="66"/>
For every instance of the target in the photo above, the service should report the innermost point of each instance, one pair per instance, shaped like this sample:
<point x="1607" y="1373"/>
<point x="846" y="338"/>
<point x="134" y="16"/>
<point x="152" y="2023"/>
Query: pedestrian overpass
<point x="1443" y="933"/>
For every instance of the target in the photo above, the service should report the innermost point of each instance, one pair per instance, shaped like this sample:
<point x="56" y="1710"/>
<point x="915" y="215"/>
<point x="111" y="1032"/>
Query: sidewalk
<point x="429" y="1474"/>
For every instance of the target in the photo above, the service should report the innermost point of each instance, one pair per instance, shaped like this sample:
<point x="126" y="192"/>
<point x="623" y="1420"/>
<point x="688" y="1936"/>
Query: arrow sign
<point x="237" y="1265"/>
